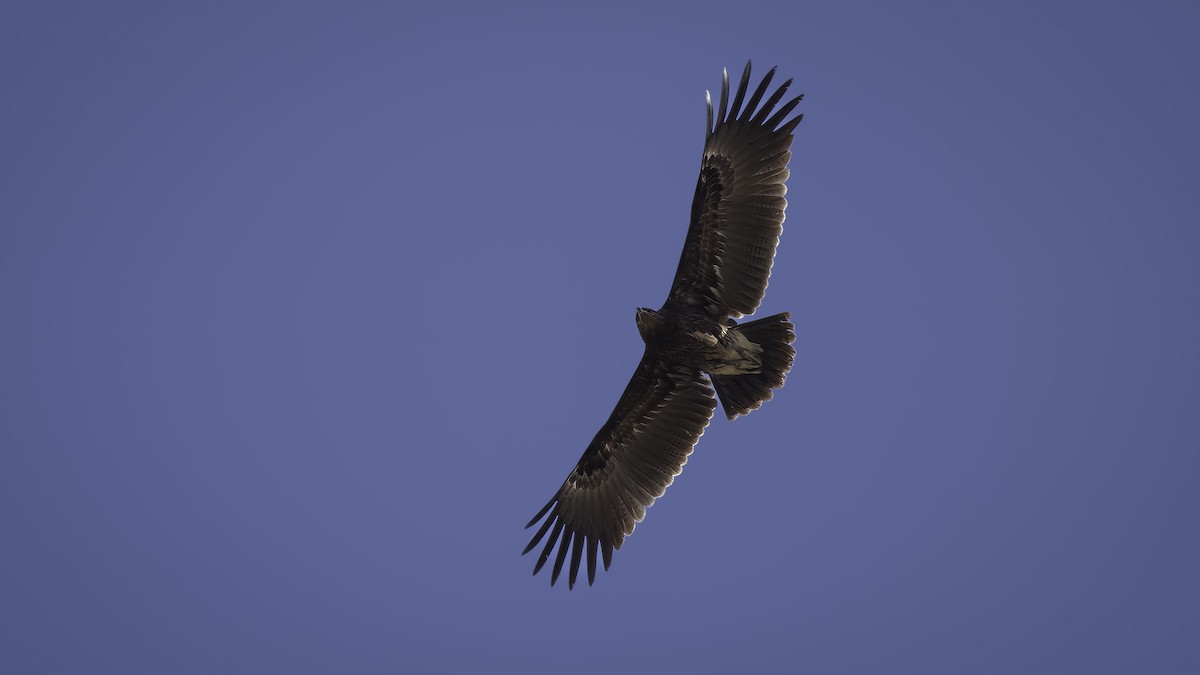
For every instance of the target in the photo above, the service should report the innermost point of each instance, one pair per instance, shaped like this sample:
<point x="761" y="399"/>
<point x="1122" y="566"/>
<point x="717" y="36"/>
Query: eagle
<point x="695" y="348"/>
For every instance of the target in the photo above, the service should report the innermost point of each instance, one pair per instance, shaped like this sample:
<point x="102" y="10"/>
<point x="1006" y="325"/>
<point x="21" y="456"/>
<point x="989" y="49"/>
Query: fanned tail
<point x="741" y="394"/>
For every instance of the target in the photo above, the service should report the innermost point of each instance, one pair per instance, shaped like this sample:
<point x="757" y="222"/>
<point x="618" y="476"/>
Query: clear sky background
<point x="307" y="309"/>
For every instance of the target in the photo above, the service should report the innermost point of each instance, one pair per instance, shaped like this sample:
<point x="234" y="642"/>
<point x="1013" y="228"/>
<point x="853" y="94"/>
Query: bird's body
<point x="695" y="348"/>
<point x="696" y="340"/>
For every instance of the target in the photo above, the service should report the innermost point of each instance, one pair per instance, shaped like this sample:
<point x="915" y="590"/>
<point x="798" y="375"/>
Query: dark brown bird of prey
<point x="693" y="343"/>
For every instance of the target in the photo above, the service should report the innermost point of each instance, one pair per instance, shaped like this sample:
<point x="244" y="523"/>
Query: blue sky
<point x="308" y="308"/>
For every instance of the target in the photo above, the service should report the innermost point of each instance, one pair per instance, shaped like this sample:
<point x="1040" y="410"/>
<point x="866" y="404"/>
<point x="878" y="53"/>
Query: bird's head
<point x="649" y="322"/>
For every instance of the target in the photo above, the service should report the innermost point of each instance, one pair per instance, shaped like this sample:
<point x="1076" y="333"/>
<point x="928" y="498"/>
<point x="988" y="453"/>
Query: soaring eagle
<point x="693" y="343"/>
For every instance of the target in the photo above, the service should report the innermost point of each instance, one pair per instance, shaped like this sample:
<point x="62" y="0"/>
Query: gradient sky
<point x="307" y="309"/>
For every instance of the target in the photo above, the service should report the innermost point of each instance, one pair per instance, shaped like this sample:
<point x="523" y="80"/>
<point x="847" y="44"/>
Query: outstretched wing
<point x="737" y="213"/>
<point x="628" y="465"/>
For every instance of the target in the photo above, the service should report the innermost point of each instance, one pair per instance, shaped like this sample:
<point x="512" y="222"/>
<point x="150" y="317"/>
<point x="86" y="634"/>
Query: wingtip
<point x="544" y="510"/>
<point x="563" y="548"/>
<point x="576" y="555"/>
<point x="756" y="97"/>
<point x="593" y="544"/>
<point x="549" y="547"/>
<point x="720" y="119"/>
<point x="708" y="125"/>
<point x="736" y="106"/>
<point x="791" y="126"/>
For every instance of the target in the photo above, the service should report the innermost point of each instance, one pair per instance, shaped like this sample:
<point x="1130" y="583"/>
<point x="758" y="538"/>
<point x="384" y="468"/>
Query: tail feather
<point x="741" y="394"/>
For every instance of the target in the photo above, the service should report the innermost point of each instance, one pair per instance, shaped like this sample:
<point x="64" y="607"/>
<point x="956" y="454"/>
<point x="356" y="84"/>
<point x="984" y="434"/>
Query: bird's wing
<point x="628" y="465"/>
<point x="737" y="213"/>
